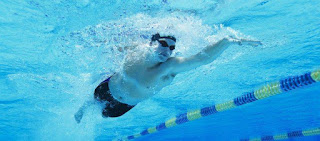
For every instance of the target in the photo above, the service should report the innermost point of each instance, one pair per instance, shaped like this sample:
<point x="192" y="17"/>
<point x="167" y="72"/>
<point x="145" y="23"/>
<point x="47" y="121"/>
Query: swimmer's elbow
<point x="186" y="64"/>
<point x="203" y="58"/>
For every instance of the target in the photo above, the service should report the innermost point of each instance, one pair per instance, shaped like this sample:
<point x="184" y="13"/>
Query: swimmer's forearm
<point x="212" y="52"/>
<point x="206" y="56"/>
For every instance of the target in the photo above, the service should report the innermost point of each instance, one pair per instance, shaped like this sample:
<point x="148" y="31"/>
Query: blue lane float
<point x="293" y="134"/>
<point x="268" y="90"/>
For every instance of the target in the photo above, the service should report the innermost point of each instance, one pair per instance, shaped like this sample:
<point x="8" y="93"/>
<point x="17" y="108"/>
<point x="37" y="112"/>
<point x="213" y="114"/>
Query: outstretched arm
<point x="207" y="55"/>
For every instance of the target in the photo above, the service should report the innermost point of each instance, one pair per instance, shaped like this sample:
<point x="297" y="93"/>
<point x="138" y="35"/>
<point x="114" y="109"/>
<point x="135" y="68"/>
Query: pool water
<point x="53" y="54"/>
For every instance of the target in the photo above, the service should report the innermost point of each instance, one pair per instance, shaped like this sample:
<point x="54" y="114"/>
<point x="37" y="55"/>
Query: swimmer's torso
<point x="138" y="82"/>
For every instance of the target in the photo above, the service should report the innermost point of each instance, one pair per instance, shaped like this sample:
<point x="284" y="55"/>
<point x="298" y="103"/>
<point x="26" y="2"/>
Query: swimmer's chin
<point x="157" y="59"/>
<point x="162" y="58"/>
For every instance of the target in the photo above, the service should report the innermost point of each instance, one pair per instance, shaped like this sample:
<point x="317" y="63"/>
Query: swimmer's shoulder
<point x="172" y="61"/>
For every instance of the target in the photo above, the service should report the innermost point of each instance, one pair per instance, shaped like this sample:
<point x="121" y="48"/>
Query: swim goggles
<point x="157" y="37"/>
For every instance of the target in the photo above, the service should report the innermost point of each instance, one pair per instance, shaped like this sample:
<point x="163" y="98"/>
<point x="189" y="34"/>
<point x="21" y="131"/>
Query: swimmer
<point x="143" y="78"/>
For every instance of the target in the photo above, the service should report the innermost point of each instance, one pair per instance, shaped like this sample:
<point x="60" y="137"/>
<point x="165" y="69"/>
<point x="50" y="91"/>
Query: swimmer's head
<point x="165" y="47"/>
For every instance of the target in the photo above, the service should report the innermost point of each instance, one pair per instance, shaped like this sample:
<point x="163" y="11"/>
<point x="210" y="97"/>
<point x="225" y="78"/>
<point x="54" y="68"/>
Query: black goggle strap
<point x="157" y="36"/>
<point x="165" y="44"/>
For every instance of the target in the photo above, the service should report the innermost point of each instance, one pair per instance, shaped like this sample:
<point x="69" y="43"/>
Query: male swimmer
<point x="143" y="77"/>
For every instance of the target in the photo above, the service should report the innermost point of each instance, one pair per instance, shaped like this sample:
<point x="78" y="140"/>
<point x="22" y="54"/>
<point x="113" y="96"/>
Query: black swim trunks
<point x="114" y="108"/>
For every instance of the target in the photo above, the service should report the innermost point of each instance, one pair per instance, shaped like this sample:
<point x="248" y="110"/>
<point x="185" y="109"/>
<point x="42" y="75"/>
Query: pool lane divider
<point x="266" y="91"/>
<point x="283" y="136"/>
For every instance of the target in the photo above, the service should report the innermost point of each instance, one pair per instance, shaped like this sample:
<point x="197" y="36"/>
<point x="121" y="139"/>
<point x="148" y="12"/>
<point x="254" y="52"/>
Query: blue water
<point x="54" y="53"/>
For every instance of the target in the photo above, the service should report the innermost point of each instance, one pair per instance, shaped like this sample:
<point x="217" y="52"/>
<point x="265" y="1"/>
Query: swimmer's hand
<point x="78" y="116"/>
<point x="240" y="42"/>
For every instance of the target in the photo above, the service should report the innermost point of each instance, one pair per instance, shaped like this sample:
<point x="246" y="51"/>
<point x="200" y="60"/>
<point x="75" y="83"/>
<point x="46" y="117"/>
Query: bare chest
<point x="150" y="76"/>
<point x="136" y="84"/>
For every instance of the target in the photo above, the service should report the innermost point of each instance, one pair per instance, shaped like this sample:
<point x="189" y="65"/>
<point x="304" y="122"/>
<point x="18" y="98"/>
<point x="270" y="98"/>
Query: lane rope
<point x="268" y="90"/>
<point x="283" y="136"/>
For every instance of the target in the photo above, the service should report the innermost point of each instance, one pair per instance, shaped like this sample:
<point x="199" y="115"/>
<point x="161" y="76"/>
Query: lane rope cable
<point x="283" y="136"/>
<point x="268" y="90"/>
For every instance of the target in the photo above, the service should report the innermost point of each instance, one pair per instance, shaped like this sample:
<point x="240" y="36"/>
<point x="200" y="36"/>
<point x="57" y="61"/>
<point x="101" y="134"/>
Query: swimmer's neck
<point x="151" y="62"/>
<point x="155" y="65"/>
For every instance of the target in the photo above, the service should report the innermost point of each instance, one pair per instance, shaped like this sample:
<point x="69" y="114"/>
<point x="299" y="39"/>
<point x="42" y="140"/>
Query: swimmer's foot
<point x="78" y="116"/>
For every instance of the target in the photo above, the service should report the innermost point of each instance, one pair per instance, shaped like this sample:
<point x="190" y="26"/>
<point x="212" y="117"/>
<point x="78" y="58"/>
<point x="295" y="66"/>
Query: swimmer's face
<point x="165" y="48"/>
